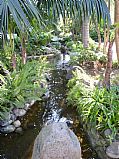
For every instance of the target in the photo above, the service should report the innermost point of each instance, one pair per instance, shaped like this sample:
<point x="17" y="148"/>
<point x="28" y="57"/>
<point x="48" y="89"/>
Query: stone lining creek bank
<point x="20" y="145"/>
<point x="11" y="123"/>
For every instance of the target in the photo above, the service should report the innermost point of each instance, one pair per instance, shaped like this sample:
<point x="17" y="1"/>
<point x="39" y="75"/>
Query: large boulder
<point x="56" y="141"/>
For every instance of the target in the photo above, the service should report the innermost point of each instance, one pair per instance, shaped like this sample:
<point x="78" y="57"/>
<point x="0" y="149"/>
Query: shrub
<point x="97" y="107"/>
<point x="22" y="86"/>
<point x="79" y="54"/>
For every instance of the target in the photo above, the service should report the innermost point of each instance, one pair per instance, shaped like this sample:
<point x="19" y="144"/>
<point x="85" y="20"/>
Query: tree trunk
<point x="106" y="34"/>
<point x="109" y="3"/>
<point x="117" y="30"/>
<point x="85" y="32"/>
<point x="109" y="66"/>
<point x="14" y="61"/>
<point x="98" y="33"/>
<point x="105" y="42"/>
<point x="23" y="51"/>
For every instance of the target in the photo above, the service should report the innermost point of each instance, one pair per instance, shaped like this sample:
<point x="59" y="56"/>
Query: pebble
<point x="112" y="151"/>
<point x="13" y="117"/>
<point x="107" y="132"/>
<point x="19" y="112"/>
<point x="26" y="107"/>
<point x="17" y="123"/>
<point x="7" y="129"/>
<point x="5" y="123"/>
<point x="32" y="102"/>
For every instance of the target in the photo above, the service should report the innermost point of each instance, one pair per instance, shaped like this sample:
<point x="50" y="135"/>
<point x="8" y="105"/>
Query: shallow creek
<point x="19" y="146"/>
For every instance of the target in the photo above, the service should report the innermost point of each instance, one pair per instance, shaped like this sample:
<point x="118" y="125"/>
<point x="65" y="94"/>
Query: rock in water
<point x="56" y="141"/>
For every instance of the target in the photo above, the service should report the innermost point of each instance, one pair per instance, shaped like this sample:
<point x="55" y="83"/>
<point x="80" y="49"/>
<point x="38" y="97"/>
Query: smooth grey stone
<point x="19" y="112"/>
<point x="6" y="123"/>
<point x="32" y="102"/>
<point x="13" y="117"/>
<point x="26" y="107"/>
<point x="7" y="129"/>
<point x="17" y="123"/>
<point x="112" y="151"/>
<point x="107" y="132"/>
<point x="7" y="120"/>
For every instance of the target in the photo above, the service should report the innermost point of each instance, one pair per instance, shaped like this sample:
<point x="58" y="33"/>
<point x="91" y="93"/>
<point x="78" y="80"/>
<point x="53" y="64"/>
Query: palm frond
<point x="21" y="11"/>
<point x="78" y="8"/>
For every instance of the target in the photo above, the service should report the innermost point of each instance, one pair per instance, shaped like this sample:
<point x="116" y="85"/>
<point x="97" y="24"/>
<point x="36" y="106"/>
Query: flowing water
<point x="19" y="146"/>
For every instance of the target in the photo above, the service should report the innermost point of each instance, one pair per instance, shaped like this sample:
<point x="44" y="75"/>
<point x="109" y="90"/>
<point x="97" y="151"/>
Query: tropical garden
<point x="33" y="33"/>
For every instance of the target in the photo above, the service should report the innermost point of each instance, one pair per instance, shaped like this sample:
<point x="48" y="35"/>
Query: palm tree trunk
<point x="109" y="66"/>
<point x="109" y="3"/>
<point x="117" y="42"/>
<point x="108" y="28"/>
<point x="106" y="34"/>
<point x="98" y="33"/>
<point x="85" y="32"/>
<point x="105" y="41"/>
<point x="117" y="30"/>
<point x="24" y="56"/>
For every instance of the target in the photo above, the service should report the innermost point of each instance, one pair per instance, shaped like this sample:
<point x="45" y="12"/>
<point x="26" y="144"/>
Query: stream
<point x="20" y="145"/>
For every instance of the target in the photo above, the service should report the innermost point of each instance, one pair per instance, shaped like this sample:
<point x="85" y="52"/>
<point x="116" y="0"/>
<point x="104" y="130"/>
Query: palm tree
<point x="17" y="13"/>
<point x="23" y="11"/>
<point x="82" y="9"/>
<point x="20" y="11"/>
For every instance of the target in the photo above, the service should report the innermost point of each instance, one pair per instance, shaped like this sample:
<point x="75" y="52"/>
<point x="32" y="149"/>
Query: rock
<point x="32" y="102"/>
<point x="107" y="132"/>
<point x="7" y="129"/>
<point x="17" y="123"/>
<point x="19" y="112"/>
<point x="112" y="151"/>
<point x="56" y="141"/>
<point x="26" y="106"/>
<point x="19" y="130"/>
<point x="7" y="120"/>
<point x="13" y="117"/>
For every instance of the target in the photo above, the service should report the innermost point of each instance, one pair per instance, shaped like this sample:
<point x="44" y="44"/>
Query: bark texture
<point x="117" y="30"/>
<point x="109" y="66"/>
<point x="85" y="32"/>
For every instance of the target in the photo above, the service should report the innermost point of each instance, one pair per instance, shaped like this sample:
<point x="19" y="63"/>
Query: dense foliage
<point x="98" y="107"/>
<point x="79" y="54"/>
<point x="19" y="87"/>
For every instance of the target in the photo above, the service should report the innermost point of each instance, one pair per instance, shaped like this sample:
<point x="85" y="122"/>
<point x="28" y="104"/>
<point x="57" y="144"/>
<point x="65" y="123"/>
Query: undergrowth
<point x="98" y="107"/>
